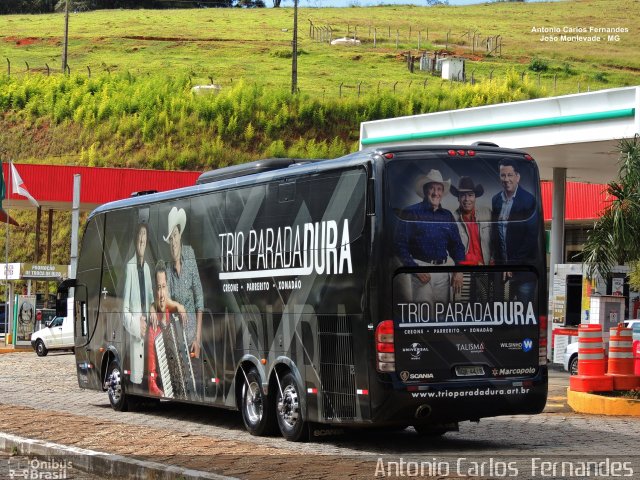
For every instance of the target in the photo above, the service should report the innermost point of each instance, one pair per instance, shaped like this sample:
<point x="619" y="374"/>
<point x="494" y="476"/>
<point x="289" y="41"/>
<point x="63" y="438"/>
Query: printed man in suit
<point x="515" y="234"/>
<point x="138" y="295"/>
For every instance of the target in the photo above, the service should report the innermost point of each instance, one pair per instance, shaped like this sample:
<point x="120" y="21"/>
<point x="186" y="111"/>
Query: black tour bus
<point x="362" y="291"/>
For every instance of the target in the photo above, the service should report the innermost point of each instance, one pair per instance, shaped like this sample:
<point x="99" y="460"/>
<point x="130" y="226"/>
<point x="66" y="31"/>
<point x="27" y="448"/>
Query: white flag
<point x="18" y="186"/>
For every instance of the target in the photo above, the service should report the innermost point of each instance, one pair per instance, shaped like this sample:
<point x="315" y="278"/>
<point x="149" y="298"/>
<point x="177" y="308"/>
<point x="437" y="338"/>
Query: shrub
<point x="538" y="65"/>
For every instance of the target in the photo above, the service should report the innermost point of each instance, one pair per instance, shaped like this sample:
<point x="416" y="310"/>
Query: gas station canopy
<point x="579" y="133"/>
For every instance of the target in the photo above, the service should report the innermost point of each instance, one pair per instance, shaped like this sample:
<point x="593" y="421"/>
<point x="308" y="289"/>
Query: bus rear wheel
<point x="115" y="388"/>
<point x="289" y="410"/>
<point x="257" y="414"/>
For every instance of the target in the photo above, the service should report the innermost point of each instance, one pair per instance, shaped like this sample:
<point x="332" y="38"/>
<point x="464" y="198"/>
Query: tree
<point x="615" y="237"/>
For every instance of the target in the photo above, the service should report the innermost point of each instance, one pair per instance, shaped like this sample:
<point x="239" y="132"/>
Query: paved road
<point x="50" y="384"/>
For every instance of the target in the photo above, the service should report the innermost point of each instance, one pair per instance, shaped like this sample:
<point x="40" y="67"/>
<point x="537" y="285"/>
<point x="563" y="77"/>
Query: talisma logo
<point x="470" y="347"/>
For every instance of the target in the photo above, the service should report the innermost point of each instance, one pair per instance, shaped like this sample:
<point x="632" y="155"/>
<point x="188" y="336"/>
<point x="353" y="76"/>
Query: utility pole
<point x="66" y="37"/>
<point x="294" y="58"/>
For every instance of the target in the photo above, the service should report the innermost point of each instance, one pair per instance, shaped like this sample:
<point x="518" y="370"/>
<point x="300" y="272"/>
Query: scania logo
<point x="415" y="350"/>
<point x="404" y="376"/>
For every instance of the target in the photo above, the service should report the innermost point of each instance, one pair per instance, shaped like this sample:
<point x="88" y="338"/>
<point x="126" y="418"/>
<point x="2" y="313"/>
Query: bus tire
<point x="41" y="350"/>
<point x="115" y="388"/>
<point x="257" y="413"/>
<point x="289" y="410"/>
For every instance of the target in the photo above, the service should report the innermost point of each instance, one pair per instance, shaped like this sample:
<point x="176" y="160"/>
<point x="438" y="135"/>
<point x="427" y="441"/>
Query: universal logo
<point x="415" y="350"/>
<point x="404" y="376"/>
<point x="470" y="347"/>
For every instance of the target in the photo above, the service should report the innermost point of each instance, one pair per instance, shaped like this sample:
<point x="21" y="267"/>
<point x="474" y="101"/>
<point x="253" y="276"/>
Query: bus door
<point x="86" y="304"/>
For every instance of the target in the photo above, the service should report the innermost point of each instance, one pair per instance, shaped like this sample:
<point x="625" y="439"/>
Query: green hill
<point x="128" y="99"/>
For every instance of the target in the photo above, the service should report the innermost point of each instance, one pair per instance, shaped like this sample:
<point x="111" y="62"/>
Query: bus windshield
<point x="467" y="257"/>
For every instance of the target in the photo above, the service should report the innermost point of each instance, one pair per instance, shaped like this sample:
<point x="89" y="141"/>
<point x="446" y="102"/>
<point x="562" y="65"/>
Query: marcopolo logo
<point x="501" y="372"/>
<point x="415" y="350"/>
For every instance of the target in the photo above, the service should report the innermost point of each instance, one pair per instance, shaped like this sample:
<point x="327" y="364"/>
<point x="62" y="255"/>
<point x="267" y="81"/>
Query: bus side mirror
<point x="62" y="296"/>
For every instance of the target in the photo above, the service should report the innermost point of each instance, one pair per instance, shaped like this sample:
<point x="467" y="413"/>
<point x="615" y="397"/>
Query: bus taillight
<point x="385" y="347"/>
<point x="542" y="355"/>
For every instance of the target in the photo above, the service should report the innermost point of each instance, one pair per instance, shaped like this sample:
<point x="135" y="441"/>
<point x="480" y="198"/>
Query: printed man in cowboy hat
<point x="428" y="236"/>
<point x="183" y="278"/>
<point x="474" y="225"/>
<point x="473" y="222"/>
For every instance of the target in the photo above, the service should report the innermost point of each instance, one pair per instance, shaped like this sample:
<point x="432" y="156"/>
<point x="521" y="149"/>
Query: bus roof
<point x="230" y="177"/>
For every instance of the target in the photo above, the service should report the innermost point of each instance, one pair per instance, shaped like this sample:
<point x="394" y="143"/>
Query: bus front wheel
<point x="256" y="412"/>
<point x="289" y="410"/>
<point x="115" y="388"/>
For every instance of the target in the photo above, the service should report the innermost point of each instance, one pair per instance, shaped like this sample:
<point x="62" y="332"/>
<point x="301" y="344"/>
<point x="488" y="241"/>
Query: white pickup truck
<point x="56" y="335"/>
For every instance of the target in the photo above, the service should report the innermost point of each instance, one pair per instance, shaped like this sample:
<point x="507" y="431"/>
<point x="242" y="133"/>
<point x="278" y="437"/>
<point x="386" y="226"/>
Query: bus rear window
<point x="482" y="210"/>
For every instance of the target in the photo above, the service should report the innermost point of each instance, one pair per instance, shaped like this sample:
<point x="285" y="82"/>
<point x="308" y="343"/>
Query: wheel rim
<point x="40" y="347"/>
<point x="574" y="368"/>
<point x="115" y="385"/>
<point x="253" y="403"/>
<point x="289" y="406"/>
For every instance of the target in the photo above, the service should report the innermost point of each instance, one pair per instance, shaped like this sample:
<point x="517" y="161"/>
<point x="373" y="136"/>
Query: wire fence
<point x="472" y="40"/>
<point x="425" y="67"/>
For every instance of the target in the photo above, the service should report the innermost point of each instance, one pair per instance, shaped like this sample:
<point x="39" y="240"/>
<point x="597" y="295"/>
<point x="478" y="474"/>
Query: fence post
<point x="419" y="38"/>
<point x="310" y="28"/>
<point x="397" y="38"/>
<point x="446" y="45"/>
<point x="375" y="35"/>
<point x="394" y="88"/>
<point x="491" y="75"/>
<point x="424" y="84"/>
<point x="359" y="85"/>
<point x="8" y="67"/>
<point x="522" y="76"/>
<point x="341" y="89"/>
<point x="47" y="65"/>
<point x="555" y="82"/>
<point x="25" y="62"/>
<point x="89" y="70"/>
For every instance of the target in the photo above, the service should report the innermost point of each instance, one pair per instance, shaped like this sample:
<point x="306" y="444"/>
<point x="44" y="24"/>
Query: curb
<point x="582" y="402"/>
<point x="101" y="463"/>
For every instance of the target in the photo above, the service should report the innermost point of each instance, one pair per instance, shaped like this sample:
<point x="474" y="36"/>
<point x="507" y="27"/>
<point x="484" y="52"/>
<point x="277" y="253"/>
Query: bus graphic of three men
<point x="430" y="235"/>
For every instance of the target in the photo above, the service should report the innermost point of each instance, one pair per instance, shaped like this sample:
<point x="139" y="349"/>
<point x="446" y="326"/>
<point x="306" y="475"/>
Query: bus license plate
<point x="469" y="371"/>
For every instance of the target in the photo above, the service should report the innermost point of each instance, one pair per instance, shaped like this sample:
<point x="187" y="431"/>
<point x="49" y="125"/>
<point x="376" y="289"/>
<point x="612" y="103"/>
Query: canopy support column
<point x="557" y="238"/>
